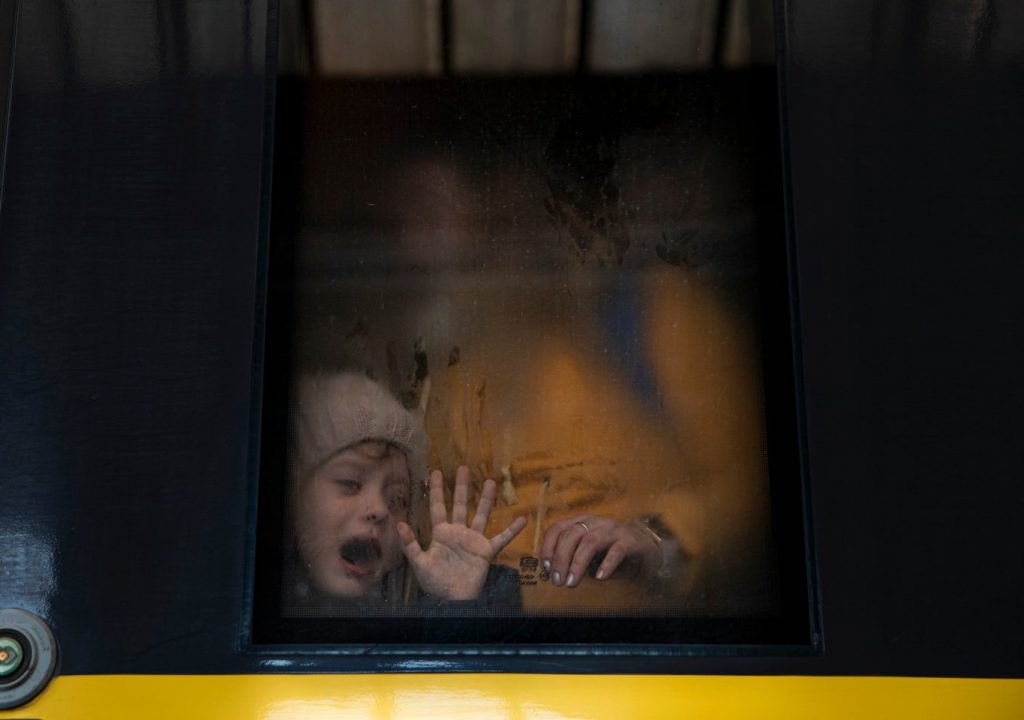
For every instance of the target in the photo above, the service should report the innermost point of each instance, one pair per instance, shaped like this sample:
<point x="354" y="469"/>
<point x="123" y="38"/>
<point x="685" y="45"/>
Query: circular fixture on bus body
<point x="12" y="652"/>
<point x="28" y="657"/>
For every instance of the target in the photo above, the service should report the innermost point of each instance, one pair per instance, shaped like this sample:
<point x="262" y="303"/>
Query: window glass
<point x="527" y="302"/>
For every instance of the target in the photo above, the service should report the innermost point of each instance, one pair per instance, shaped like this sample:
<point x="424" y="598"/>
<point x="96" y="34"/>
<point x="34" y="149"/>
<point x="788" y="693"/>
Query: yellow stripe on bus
<point x="519" y="697"/>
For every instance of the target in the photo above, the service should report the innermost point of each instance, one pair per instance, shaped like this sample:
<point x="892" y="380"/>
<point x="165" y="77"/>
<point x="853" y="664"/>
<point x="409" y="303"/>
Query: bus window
<point x="526" y="280"/>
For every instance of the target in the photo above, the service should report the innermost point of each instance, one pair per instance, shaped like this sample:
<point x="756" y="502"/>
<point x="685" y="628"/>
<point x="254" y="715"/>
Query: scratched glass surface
<point x="556" y="273"/>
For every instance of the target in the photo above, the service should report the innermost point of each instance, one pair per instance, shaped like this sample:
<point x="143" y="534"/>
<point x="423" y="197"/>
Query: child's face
<point x="345" y="516"/>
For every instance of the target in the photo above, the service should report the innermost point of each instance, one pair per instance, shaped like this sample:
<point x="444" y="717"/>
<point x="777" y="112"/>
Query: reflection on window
<point x="529" y="262"/>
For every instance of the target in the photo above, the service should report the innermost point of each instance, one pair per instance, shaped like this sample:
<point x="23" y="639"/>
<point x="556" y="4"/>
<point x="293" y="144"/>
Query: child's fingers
<point x="410" y="545"/>
<point x="438" y="513"/>
<point x="499" y="541"/>
<point x="461" y="496"/>
<point x="483" y="508"/>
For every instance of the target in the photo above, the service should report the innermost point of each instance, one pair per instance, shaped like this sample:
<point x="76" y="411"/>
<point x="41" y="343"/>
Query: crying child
<point x="358" y="458"/>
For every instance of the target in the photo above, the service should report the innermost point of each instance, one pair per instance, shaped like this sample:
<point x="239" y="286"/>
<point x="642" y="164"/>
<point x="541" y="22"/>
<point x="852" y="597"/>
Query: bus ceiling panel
<point x="498" y="37"/>
<point x="652" y="35"/>
<point x="375" y="39"/>
<point x="483" y="37"/>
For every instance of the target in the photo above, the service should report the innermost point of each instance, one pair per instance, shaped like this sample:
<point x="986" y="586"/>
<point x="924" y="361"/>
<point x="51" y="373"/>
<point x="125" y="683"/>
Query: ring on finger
<point x="585" y="527"/>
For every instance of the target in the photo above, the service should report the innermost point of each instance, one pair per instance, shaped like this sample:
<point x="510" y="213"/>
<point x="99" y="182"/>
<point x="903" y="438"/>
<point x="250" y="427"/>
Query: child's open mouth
<point x="359" y="556"/>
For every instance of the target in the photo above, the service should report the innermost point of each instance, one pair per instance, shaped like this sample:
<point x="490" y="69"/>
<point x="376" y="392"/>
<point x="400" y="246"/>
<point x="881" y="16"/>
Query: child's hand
<point x="570" y="546"/>
<point x="455" y="565"/>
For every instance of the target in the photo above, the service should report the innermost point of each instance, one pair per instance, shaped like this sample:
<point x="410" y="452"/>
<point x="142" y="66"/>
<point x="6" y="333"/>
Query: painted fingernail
<point x="569" y="580"/>
<point x="547" y="565"/>
<point x="600" y="574"/>
<point x="558" y="579"/>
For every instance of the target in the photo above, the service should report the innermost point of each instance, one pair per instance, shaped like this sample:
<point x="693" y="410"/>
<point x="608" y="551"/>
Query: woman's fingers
<point x="461" y="495"/>
<point x="589" y="546"/>
<point x="572" y="547"/>
<point x="483" y="508"/>
<point x="565" y="548"/>
<point x="438" y="512"/>
<point x="551" y="537"/>
<point x="612" y="559"/>
<point x="499" y="541"/>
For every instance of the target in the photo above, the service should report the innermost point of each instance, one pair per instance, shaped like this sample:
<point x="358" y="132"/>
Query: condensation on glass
<point x="537" y="226"/>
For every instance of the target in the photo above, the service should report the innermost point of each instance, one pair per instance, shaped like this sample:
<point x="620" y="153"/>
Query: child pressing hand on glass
<point x="358" y="458"/>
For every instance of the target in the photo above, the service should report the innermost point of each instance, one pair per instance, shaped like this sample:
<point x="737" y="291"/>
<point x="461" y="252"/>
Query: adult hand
<point x="570" y="546"/>
<point x="455" y="565"/>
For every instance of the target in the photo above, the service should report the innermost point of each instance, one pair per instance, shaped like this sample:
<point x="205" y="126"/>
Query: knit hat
<point x="336" y="411"/>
